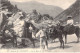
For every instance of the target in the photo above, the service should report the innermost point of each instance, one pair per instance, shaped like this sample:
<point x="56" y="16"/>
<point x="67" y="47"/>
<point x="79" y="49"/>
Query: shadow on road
<point x="72" y="42"/>
<point x="65" y="47"/>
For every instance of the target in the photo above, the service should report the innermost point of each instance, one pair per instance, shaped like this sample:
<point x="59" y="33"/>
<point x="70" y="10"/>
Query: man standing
<point x="43" y="38"/>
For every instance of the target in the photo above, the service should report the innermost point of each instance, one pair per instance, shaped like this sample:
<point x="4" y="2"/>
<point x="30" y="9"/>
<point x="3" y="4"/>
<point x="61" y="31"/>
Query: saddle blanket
<point x="69" y="28"/>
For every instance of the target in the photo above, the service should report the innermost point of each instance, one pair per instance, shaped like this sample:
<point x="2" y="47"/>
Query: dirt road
<point x="71" y="46"/>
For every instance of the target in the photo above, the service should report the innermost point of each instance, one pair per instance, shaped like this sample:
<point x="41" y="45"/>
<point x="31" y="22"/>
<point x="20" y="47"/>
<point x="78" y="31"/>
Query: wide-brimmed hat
<point x="69" y="17"/>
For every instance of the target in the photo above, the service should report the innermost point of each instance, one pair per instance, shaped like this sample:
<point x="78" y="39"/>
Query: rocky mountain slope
<point x="40" y="7"/>
<point x="73" y="10"/>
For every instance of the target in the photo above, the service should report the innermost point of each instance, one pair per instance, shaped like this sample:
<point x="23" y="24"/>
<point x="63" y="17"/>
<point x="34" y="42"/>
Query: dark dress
<point x="29" y="33"/>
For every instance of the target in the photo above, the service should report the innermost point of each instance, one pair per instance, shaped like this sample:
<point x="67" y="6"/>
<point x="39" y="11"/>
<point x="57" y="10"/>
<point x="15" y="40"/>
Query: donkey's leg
<point x="65" y="38"/>
<point x="61" y="42"/>
<point x="77" y="34"/>
<point x="77" y="38"/>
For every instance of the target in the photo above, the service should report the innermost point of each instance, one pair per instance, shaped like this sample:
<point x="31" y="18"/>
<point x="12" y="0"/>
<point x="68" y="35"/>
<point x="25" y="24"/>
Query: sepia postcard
<point x="39" y="26"/>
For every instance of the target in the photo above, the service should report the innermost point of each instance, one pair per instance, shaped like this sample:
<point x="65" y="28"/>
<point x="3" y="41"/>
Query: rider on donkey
<point x="69" y="25"/>
<point x="70" y="21"/>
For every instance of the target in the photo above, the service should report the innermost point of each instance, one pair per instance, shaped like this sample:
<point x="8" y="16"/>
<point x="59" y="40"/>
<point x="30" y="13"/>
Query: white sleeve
<point x="67" y="21"/>
<point x="37" y="34"/>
